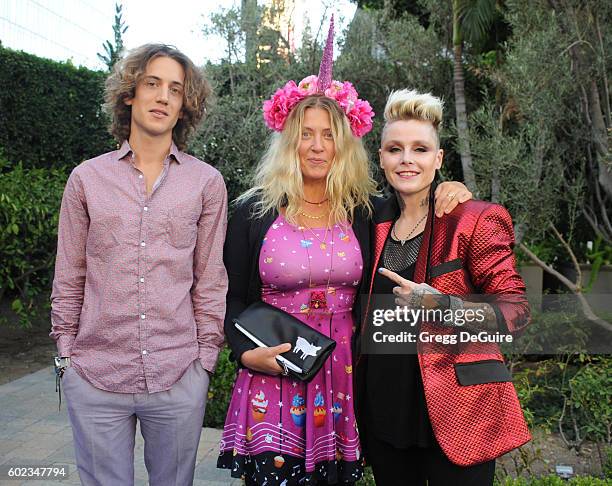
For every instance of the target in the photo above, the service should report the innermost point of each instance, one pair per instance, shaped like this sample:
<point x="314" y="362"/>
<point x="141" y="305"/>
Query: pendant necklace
<point x="323" y="242"/>
<point x="318" y="298"/>
<point x="404" y="240"/>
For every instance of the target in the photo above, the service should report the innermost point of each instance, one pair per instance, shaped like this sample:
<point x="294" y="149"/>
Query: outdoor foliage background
<point x="538" y="126"/>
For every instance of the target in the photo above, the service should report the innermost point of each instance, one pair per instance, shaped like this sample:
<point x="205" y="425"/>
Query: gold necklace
<point x="322" y="243"/>
<point x="404" y="240"/>
<point x="310" y="216"/>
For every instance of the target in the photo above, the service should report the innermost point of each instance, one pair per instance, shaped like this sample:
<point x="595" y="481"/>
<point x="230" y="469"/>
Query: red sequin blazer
<point x="473" y="406"/>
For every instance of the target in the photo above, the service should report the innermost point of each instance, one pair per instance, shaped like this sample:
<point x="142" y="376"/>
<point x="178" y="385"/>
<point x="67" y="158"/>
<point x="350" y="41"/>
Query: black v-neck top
<point x="395" y="400"/>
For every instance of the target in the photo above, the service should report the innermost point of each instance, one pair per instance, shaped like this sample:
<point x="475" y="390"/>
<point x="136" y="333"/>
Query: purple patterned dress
<point x="280" y="431"/>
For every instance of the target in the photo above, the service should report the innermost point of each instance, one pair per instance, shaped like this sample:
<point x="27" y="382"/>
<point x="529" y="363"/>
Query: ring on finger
<point x="451" y="196"/>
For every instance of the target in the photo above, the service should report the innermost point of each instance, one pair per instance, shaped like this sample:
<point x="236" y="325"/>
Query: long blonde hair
<point x="278" y="181"/>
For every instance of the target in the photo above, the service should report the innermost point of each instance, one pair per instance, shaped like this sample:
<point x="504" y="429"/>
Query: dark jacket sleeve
<point x="237" y="259"/>
<point x="492" y="267"/>
<point x="364" y="230"/>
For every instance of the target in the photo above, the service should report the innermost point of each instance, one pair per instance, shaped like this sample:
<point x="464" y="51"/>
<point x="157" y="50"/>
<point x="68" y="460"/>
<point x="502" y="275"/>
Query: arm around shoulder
<point x="492" y="266"/>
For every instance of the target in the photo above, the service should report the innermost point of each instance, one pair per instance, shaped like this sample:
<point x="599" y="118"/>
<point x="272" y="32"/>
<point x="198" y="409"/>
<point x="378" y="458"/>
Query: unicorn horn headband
<point x="359" y="113"/>
<point x="327" y="61"/>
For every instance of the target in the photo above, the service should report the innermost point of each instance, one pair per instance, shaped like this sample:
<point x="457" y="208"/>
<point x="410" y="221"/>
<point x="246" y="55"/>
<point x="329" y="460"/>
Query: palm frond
<point x="476" y="17"/>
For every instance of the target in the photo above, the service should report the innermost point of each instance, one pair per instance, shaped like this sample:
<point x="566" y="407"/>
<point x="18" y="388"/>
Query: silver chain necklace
<point x="404" y="240"/>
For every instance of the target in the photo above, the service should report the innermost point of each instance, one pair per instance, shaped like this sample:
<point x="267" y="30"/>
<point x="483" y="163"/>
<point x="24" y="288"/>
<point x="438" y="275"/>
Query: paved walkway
<point x="32" y="431"/>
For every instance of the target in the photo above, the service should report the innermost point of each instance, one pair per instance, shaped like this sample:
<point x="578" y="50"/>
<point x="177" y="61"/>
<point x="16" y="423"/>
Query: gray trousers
<point x="104" y="429"/>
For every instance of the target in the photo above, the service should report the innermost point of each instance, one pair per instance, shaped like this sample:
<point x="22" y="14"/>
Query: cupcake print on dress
<point x="260" y="406"/>
<point x="319" y="411"/>
<point x="298" y="410"/>
<point x="279" y="461"/>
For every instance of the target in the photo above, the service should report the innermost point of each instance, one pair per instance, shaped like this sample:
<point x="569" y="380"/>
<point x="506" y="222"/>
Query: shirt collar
<point x="176" y="153"/>
<point x="125" y="150"/>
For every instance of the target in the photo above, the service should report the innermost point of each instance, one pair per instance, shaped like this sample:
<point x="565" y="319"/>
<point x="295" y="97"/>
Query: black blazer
<point x="245" y="235"/>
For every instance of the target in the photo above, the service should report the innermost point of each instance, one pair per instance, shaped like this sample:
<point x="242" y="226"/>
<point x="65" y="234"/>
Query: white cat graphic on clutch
<point x="306" y="348"/>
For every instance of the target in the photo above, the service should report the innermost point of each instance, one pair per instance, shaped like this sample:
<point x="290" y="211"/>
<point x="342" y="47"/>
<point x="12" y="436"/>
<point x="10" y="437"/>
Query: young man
<point x="139" y="291"/>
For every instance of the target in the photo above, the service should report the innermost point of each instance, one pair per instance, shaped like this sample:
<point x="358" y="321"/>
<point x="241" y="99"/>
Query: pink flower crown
<point x="359" y="112"/>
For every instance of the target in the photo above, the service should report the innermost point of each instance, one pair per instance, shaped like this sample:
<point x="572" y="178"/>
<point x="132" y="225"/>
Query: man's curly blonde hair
<point x="122" y="82"/>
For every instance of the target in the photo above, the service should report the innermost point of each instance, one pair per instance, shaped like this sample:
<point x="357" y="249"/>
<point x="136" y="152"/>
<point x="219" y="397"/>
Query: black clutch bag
<point x="268" y="326"/>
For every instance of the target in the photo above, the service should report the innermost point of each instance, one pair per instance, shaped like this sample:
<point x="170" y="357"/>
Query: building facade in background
<point x="62" y="30"/>
<point x="75" y="30"/>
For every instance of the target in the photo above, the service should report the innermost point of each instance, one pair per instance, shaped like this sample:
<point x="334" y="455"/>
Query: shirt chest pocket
<point x="181" y="230"/>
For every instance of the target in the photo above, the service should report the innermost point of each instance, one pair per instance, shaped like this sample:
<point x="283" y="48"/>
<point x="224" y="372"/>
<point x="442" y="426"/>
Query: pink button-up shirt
<point x="139" y="287"/>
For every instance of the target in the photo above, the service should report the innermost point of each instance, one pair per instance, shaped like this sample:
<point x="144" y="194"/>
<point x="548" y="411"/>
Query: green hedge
<point x="368" y="480"/>
<point x="29" y="210"/>
<point x="555" y="481"/>
<point x="50" y="112"/>
<point x="220" y="391"/>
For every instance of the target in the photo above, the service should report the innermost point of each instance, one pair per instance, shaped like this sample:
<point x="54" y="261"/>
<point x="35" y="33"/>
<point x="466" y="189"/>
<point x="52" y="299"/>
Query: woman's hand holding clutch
<point x="263" y="360"/>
